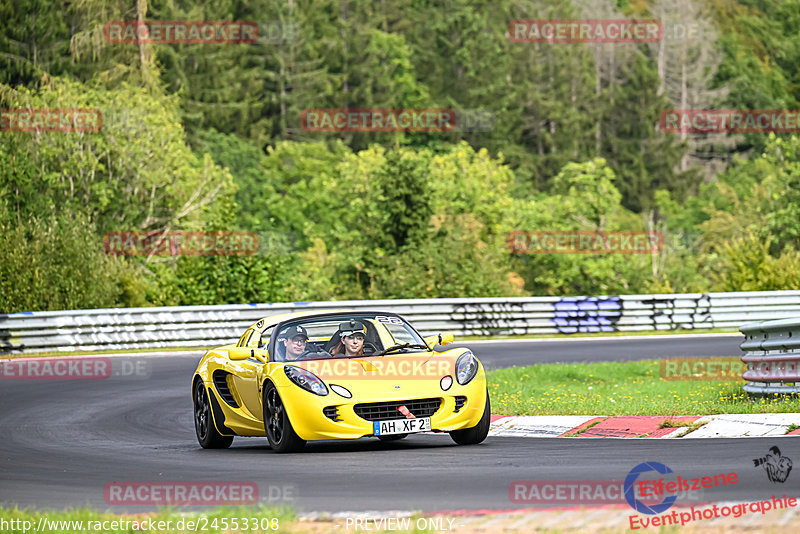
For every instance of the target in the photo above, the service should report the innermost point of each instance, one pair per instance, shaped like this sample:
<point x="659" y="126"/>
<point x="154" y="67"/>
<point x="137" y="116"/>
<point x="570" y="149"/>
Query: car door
<point x="248" y="373"/>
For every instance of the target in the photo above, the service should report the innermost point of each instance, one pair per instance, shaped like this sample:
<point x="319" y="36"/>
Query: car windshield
<point x="346" y="336"/>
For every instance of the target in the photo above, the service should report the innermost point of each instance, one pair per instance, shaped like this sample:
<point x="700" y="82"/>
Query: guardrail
<point x="205" y="326"/>
<point x="772" y="356"/>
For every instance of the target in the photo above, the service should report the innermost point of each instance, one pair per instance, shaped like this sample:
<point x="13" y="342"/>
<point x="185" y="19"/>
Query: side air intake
<point x="221" y="383"/>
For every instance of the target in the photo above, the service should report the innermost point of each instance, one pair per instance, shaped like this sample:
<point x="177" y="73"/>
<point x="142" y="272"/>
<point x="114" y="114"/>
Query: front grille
<point x="384" y="411"/>
<point x="221" y="383"/>
<point x="460" y="401"/>
<point x="332" y="413"/>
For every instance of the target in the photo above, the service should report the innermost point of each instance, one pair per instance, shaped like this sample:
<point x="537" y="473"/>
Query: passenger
<point x="295" y="342"/>
<point x="351" y="339"/>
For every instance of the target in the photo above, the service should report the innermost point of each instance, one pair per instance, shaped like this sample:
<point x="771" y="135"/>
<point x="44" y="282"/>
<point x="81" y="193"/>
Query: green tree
<point x="644" y="158"/>
<point x="585" y="199"/>
<point x="200" y="280"/>
<point x="57" y="263"/>
<point x="745" y="264"/>
<point x="372" y="236"/>
<point x="135" y="173"/>
<point x="34" y="40"/>
<point x="746" y="222"/>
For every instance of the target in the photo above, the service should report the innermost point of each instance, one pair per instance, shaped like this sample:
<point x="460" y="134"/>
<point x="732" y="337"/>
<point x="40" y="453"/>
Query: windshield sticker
<point x="388" y="320"/>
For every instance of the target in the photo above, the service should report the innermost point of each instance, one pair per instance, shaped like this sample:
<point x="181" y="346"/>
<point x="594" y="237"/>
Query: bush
<point x="57" y="264"/>
<point x="744" y="264"/>
<point x="200" y="280"/>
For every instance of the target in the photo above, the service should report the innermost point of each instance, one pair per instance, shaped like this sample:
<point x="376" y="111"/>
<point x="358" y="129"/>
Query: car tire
<point x="478" y="433"/>
<point x="207" y="433"/>
<point x="392" y="437"/>
<point x="280" y="434"/>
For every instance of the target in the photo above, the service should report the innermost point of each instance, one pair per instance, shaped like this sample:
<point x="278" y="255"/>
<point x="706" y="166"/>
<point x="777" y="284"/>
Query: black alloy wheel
<point x="207" y="433"/>
<point x="280" y="434"/>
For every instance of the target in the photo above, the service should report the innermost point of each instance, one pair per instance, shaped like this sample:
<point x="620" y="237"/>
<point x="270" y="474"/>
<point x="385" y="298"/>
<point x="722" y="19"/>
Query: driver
<point x="295" y="342"/>
<point x="351" y="341"/>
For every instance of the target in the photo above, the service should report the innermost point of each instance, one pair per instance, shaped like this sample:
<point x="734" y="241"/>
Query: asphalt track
<point x="63" y="441"/>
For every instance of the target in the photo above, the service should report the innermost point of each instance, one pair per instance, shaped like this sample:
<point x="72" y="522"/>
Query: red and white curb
<point x="693" y="426"/>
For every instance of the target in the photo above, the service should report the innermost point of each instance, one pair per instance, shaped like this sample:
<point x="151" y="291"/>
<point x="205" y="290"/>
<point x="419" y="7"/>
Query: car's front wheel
<point x="207" y="433"/>
<point x="280" y="434"/>
<point x="478" y="433"/>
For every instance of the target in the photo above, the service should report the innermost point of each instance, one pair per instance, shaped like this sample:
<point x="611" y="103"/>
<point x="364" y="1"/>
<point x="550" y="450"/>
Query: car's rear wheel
<point x="280" y="434"/>
<point x="478" y="433"/>
<point x="207" y="433"/>
<point x="392" y="437"/>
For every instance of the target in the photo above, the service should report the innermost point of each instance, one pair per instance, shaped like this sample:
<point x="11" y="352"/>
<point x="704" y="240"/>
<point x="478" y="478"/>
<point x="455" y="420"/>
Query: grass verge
<point x="619" y="388"/>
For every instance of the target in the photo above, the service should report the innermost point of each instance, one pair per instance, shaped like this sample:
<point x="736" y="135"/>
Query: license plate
<point x="402" y="426"/>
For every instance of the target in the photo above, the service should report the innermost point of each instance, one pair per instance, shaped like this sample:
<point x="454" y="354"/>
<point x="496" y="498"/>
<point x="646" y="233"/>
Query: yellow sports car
<point x="338" y="375"/>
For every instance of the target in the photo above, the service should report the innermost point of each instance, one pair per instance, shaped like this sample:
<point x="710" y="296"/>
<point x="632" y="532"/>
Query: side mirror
<point x="241" y="354"/>
<point x="444" y="338"/>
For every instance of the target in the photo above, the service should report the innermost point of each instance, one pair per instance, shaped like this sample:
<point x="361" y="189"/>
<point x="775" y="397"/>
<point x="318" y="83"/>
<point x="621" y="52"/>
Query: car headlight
<point x="306" y="380"/>
<point x="466" y="368"/>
